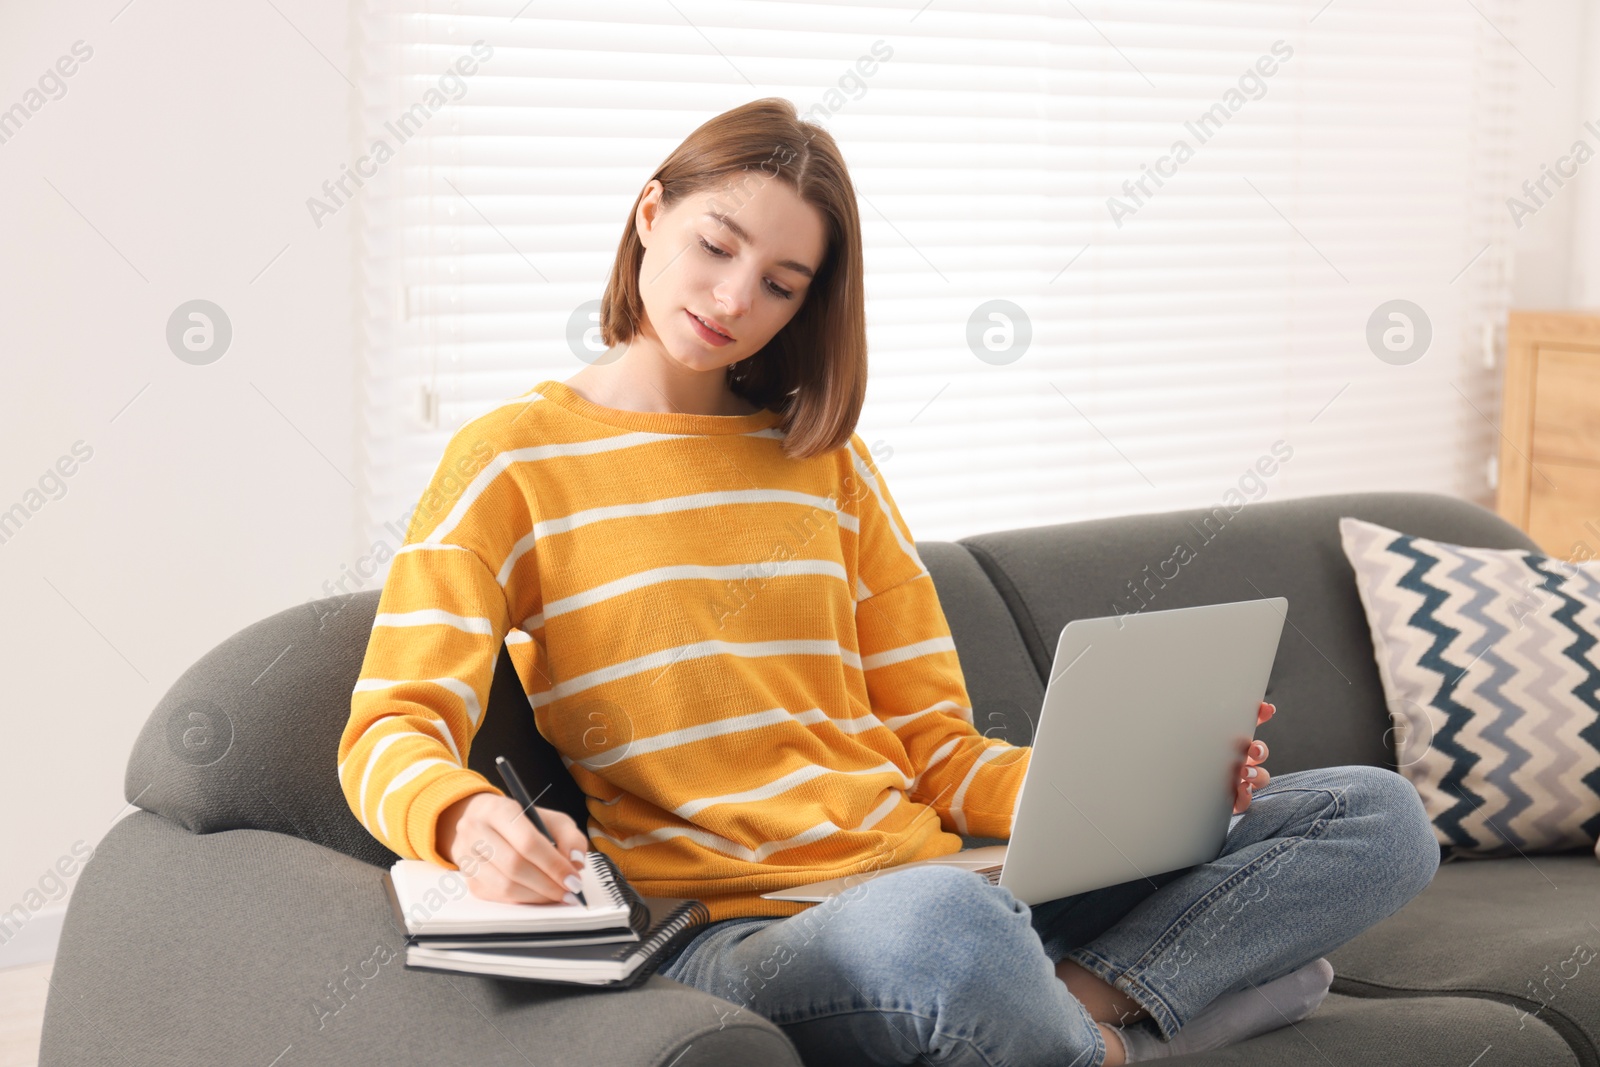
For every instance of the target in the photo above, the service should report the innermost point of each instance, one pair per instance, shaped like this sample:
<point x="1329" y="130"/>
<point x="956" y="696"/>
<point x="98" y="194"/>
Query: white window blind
<point x="1171" y="345"/>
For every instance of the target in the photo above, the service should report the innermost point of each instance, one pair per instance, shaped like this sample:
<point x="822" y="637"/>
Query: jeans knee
<point x="927" y="920"/>
<point x="1411" y="848"/>
<point x="946" y="899"/>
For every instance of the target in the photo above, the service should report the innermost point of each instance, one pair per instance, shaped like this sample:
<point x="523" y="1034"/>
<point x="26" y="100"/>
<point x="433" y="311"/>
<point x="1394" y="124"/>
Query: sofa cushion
<point x="1443" y="1031"/>
<point x="1331" y="709"/>
<point x="1519" y="931"/>
<point x="1489" y="664"/>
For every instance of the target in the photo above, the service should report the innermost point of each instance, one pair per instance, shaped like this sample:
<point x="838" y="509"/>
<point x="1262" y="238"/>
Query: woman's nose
<point x="733" y="297"/>
<point x="729" y="308"/>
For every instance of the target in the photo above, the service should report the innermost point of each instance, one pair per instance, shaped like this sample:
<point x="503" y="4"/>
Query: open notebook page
<point x="437" y="900"/>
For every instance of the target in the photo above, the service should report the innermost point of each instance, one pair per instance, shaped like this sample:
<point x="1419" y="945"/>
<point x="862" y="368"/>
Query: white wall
<point x="175" y="166"/>
<point x="1583" y="289"/>
<point x="1557" y="249"/>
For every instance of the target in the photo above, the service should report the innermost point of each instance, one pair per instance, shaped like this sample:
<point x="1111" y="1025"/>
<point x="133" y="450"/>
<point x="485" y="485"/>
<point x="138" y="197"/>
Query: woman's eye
<point x="777" y="291"/>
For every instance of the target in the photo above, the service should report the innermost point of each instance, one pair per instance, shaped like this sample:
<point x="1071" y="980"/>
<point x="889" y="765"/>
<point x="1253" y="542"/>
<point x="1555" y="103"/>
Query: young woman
<point x="721" y="621"/>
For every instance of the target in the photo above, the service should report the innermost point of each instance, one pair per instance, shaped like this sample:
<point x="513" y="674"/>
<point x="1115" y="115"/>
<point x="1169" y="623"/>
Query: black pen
<point x="520" y="794"/>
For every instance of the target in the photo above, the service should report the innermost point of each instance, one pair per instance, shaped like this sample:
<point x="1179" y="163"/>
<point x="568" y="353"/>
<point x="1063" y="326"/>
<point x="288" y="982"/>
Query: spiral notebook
<point x="617" y="941"/>
<point x="430" y="901"/>
<point x="676" y="921"/>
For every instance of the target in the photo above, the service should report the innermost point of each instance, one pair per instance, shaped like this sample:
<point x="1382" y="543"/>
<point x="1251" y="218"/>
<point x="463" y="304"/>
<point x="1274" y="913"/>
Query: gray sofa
<point x="215" y="923"/>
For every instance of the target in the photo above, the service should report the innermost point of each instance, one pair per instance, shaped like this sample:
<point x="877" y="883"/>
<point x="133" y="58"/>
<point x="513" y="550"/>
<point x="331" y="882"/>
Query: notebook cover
<point x="586" y="937"/>
<point x="682" y="919"/>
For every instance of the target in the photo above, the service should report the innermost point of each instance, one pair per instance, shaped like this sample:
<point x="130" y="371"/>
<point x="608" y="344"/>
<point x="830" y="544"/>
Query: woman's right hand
<point x="503" y="856"/>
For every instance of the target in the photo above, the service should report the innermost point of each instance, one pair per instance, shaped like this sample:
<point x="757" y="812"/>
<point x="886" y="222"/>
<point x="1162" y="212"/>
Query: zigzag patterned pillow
<point x="1489" y="664"/>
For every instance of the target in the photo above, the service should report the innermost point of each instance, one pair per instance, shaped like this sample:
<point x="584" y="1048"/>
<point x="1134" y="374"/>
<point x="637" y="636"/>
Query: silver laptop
<point x="1146" y="718"/>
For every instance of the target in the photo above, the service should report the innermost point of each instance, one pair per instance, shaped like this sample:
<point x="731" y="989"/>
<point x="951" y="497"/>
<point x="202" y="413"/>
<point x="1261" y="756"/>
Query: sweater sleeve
<point x="442" y="617"/>
<point x="914" y="677"/>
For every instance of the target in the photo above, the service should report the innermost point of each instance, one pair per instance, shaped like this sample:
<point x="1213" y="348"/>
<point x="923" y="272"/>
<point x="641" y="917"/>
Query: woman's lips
<point x="708" y="335"/>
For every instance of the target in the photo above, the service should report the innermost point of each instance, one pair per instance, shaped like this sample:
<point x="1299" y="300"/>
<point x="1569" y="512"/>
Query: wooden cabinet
<point x="1550" y="431"/>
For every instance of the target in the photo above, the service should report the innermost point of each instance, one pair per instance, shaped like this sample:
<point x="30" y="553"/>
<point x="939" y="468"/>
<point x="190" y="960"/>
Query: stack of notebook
<point x="615" y="941"/>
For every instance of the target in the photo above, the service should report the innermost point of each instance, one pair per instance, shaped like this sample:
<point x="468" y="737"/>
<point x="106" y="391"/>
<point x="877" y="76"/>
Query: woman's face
<point x="741" y="258"/>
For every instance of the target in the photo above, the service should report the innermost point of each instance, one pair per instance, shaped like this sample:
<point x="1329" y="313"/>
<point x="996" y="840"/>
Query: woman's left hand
<point x="1252" y="775"/>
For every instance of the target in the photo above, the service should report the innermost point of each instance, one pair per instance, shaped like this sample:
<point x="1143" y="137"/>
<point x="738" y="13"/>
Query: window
<point x="1200" y="214"/>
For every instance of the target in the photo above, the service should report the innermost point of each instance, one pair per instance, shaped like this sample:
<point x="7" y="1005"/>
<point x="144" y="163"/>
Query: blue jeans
<point x="934" y="965"/>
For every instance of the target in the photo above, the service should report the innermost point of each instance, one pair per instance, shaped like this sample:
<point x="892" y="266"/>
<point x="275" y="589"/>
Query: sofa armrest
<point x="233" y="947"/>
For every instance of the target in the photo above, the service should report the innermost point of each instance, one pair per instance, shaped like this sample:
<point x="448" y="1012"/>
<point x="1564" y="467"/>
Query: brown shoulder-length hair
<point x="814" y="370"/>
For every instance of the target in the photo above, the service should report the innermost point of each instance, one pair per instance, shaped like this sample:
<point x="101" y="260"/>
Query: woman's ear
<point x="648" y="214"/>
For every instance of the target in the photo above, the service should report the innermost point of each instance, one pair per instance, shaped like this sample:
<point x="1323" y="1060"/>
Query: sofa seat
<point x="249" y="979"/>
<point x="1346" y="1031"/>
<point x="1523" y="932"/>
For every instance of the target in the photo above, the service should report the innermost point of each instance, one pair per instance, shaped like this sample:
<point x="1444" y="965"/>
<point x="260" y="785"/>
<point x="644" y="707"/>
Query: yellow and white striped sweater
<point x="739" y="655"/>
